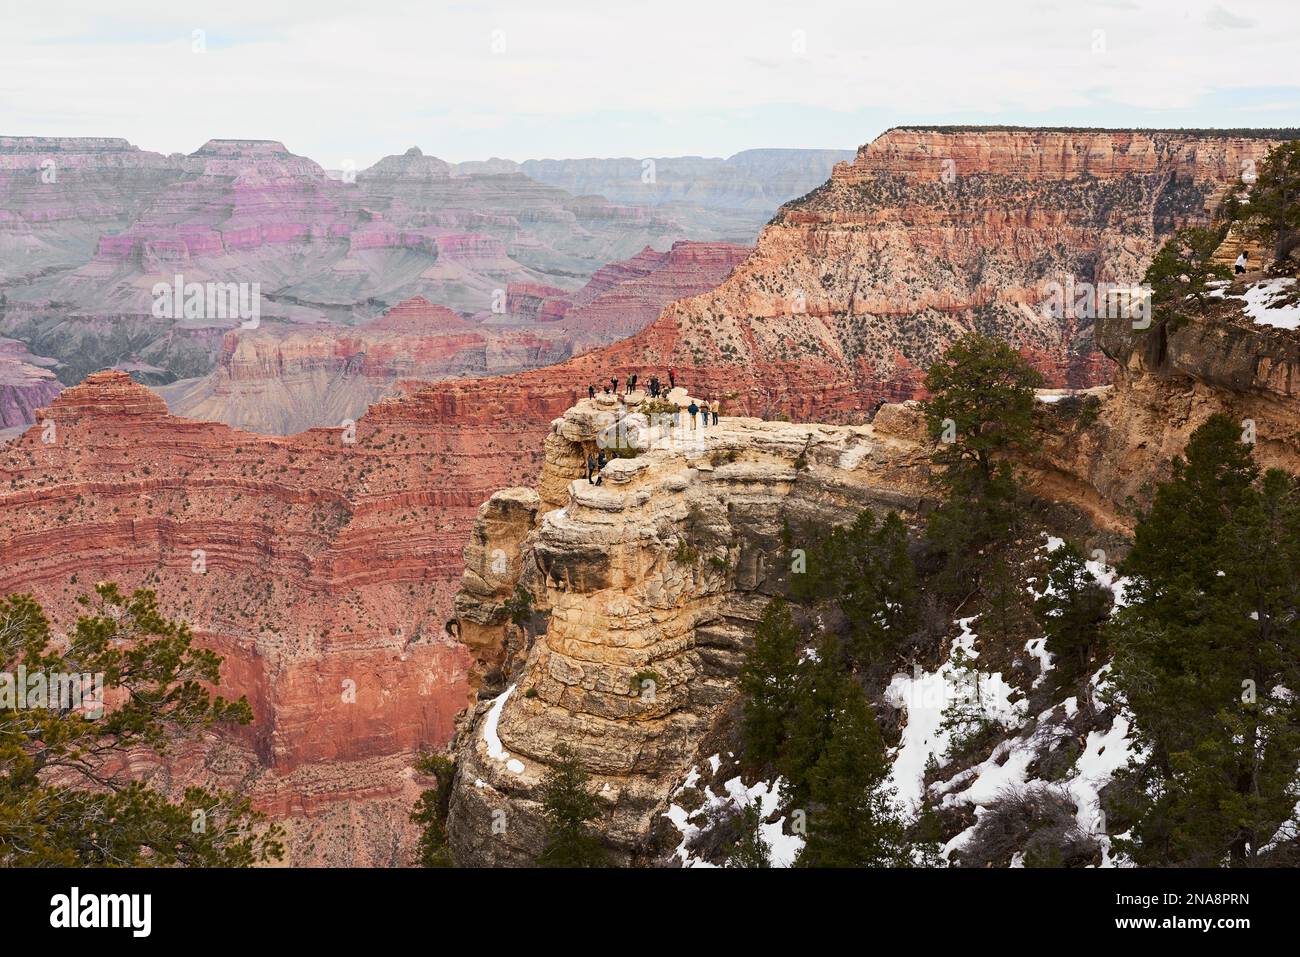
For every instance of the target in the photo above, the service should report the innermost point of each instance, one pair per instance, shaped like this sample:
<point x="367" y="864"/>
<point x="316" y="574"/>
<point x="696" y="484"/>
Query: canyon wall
<point x="320" y="565"/>
<point x="89" y="226"/>
<point x="26" y="384"/>
<point x="855" y="289"/>
<point x="1168" y="380"/>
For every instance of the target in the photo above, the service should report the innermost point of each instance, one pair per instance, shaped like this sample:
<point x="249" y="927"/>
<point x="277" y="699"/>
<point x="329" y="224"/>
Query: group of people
<point x="703" y="412"/>
<point x="654" y="387"/>
<point x="707" y="409"/>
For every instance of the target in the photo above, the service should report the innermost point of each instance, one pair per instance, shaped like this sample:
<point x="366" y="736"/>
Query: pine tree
<point x="1072" y="610"/>
<point x="750" y="850"/>
<point x="865" y="569"/>
<point x="980" y="410"/>
<point x="568" y="806"/>
<point x="851" y="819"/>
<point x="431" y="811"/>
<point x="1182" y="270"/>
<point x="877" y="588"/>
<point x="1206" y="656"/>
<point x="767" y="682"/>
<point x="66" y="795"/>
<point x="1007" y="614"/>
<point x="926" y="845"/>
<point x="819" y="691"/>
<point x="1272" y="209"/>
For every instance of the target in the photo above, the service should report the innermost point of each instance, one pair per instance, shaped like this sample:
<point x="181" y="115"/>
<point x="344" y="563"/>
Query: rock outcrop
<point x="1168" y="380"/>
<point x="644" y="589"/>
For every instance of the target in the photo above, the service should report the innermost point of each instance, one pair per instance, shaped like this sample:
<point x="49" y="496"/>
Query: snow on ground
<point x="1007" y="768"/>
<point x="924" y="696"/>
<point x="1103" y="574"/>
<point x="1260" y="294"/>
<point x="1256" y="300"/>
<point x="1038" y="648"/>
<point x="764" y="795"/>
<point x="495" y="749"/>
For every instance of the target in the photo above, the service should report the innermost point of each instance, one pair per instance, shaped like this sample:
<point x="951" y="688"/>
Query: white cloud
<point x="335" y="79"/>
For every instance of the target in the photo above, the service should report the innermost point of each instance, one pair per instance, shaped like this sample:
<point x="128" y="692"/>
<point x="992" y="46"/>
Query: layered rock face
<point x="855" y="289"/>
<point x="1169" y="379"/>
<point x="89" y="227"/>
<point x="623" y="298"/>
<point x="59" y="195"/>
<point x="283" y="379"/>
<point x="927" y="234"/>
<point x="321" y="566"/>
<point x="748" y="186"/>
<point x="646" y="589"/>
<point x="26" y="384"/>
<point x="286" y="379"/>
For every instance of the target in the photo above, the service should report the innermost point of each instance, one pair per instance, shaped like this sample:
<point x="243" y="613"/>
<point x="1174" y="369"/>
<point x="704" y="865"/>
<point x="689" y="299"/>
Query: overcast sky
<point x="351" y="82"/>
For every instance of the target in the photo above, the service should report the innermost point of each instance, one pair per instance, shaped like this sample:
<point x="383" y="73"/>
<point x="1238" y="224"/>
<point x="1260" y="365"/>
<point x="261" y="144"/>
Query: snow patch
<point x="763" y="795"/>
<point x="924" y="696"/>
<point x="495" y="749"/>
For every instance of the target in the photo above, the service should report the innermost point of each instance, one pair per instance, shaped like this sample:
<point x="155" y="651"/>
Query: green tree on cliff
<point x="851" y="819"/>
<point x="1207" y="658"/>
<point x="980" y="411"/>
<point x="1271" y="212"/>
<point x="64" y="799"/>
<point x="1072" y="611"/>
<point x="431" y="811"/>
<point x="768" y="683"/>
<point x="568" y="807"/>
<point x="865" y="569"/>
<point x="819" y="691"/>
<point x="1181" y="273"/>
<point x="750" y="850"/>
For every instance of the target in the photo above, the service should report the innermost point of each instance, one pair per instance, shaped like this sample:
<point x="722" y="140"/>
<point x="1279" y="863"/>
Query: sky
<point x="346" y="83"/>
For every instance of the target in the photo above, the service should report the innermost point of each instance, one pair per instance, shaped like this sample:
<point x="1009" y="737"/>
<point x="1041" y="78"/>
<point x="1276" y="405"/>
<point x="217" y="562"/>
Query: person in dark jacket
<point x="631" y="384"/>
<point x="591" y="392"/>
<point x="591" y="468"/>
<point x="672" y="378"/>
<point x="694" y="410"/>
<point x="613" y="381"/>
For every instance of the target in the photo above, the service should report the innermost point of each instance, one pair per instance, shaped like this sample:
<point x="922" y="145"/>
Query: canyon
<point x="88" y="226"/>
<point x="335" y="554"/>
<point x="283" y="379"/>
